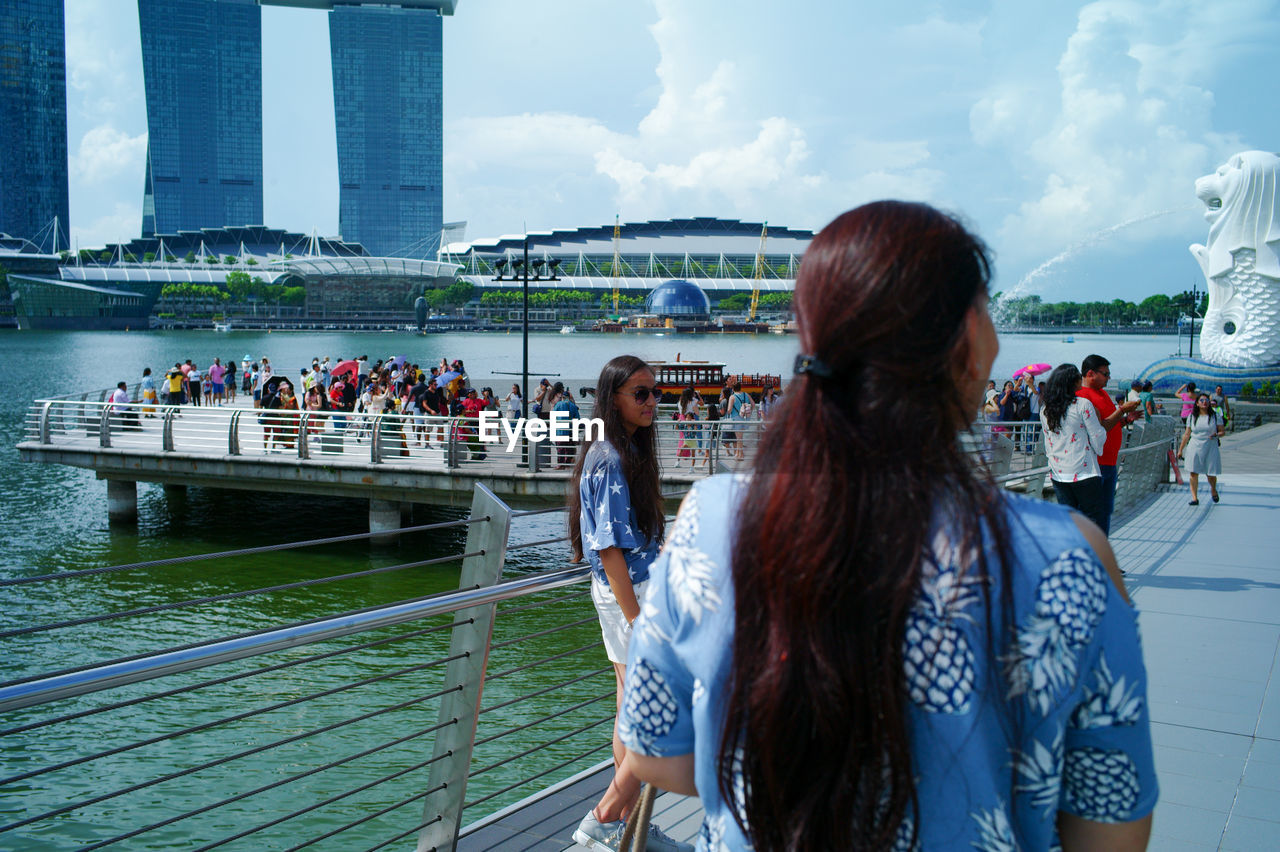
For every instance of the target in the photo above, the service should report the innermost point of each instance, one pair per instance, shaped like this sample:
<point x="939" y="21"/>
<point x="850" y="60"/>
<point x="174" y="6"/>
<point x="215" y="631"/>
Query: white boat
<point x="567" y="329"/>
<point x="222" y="326"/>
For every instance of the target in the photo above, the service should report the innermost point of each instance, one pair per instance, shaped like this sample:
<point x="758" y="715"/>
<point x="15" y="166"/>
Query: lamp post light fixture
<point x="520" y="272"/>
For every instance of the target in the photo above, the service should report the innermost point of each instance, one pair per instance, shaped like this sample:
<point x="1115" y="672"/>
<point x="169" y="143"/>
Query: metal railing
<point x="362" y="729"/>
<point x="389" y="724"/>
<point x="326" y="437"/>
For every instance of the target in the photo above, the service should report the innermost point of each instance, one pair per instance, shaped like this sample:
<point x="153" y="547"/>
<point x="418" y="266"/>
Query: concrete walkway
<point x="1207" y="581"/>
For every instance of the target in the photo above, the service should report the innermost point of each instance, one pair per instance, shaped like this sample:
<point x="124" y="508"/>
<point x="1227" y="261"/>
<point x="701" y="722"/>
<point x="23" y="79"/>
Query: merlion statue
<point x="1241" y="263"/>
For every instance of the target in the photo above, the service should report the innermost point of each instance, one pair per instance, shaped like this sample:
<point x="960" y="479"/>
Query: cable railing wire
<point x="248" y="714"/>
<point x="244" y="593"/>
<point x="244" y="551"/>
<point x="117" y="705"/>
<point x="537" y="775"/>
<point x="512" y="758"/>
<point x="542" y="662"/>
<point x="544" y="691"/>
<point x="276" y="784"/>
<point x="506" y="643"/>
<point x="542" y="719"/>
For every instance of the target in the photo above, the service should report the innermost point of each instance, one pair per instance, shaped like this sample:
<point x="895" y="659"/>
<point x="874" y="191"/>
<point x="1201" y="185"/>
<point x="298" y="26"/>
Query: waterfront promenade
<point x="1207" y="581"/>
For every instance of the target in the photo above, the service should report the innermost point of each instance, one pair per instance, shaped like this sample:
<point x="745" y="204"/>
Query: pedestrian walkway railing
<point x="364" y="729"/>
<point x="1014" y="451"/>
<point x="446" y="443"/>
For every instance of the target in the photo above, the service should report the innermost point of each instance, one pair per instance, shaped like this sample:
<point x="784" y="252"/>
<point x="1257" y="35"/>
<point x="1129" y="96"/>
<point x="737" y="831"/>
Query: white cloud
<point x="120" y="225"/>
<point x="106" y="153"/>
<point x="1134" y="123"/>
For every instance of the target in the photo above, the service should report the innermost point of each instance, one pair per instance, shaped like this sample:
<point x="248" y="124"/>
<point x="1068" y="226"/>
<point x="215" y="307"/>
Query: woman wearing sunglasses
<point x="1204" y="428"/>
<point x="868" y="644"/>
<point x="616" y="521"/>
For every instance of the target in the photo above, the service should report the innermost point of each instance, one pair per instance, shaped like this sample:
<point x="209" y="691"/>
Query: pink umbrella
<point x="1032" y="370"/>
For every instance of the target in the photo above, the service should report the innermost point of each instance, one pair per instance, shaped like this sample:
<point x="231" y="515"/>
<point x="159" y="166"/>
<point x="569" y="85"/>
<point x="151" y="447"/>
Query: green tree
<point x="294" y="296"/>
<point x="229" y="260"/>
<point x="149" y="256"/>
<point x="239" y="285"/>
<point x="86" y="256"/>
<point x="211" y="258"/>
<point x="251" y="262"/>
<point x="191" y="257"/>
<point x="105" y="257"/>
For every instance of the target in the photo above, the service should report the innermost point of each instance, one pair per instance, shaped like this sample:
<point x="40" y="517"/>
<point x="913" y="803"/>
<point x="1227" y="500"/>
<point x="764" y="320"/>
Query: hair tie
<point x="812" y="365"/>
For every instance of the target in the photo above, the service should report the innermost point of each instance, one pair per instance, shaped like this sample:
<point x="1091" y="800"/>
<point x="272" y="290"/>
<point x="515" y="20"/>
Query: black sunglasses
<point x="643" y="393"/>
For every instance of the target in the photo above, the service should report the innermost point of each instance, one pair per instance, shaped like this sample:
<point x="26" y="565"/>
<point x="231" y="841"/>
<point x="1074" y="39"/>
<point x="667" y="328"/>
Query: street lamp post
<point x="500" y="266"/>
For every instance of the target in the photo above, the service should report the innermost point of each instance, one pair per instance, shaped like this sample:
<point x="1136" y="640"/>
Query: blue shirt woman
<point x="1072" y="686"/>
<point x="607" y="517"/>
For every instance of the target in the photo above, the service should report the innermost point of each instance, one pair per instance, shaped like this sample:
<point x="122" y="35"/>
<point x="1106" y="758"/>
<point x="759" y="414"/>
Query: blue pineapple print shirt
<point x="1072" y="672"/>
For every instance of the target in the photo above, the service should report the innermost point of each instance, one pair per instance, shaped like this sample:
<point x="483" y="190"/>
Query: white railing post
<point x="375" y="439"/>
<point x="451" y="446"/>
<point x="166" y="429"/>
<point x="44" y="423"/>
<point x="304" y="451"/>
<point x="469" y="654"/>
<point x="104" y="427"/>
<point x="233" y="433"/>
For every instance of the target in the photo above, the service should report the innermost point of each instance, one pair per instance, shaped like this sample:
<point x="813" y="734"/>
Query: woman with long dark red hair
<point x="866" y="644"/>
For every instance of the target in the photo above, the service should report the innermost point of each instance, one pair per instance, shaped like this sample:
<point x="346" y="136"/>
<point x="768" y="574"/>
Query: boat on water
<point x="567" y="329"/>
<point x="222" y="326"/>
<point x="707" y="378"/>
<point x="1070" y="338"/>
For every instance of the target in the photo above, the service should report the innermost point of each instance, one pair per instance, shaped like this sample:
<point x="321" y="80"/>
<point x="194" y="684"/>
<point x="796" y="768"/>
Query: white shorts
<point x="613" y="624"/>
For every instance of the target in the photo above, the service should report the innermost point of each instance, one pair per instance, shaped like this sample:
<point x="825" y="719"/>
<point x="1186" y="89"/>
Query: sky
<point x="1068" y="135"/>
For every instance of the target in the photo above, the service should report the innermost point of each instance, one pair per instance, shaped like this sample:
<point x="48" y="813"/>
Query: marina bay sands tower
<point x="202" y="62"/>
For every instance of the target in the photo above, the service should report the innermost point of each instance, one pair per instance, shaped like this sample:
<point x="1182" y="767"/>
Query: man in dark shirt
<point x="418" y="393"/>
<point x="1096" y="371"/>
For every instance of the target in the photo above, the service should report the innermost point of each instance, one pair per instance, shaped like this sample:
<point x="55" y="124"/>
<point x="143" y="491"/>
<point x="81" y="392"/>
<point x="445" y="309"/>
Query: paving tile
<point x="1269" y="716"/>
<point x="1258" y="803"/>
<point x="1245" y="834"/>
<point x="1187" y="823"/>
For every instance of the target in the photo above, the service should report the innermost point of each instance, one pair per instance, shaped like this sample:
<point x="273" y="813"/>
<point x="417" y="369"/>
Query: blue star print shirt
<point x="607" y="519"/>
<point x="1071" y="673"/>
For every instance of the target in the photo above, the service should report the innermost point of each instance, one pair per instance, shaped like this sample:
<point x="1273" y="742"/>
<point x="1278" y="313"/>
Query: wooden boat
<point x="707" y="378"/>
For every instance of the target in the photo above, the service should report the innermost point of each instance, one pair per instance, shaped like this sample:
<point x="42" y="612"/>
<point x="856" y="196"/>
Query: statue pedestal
<point x="1169" y="374"/>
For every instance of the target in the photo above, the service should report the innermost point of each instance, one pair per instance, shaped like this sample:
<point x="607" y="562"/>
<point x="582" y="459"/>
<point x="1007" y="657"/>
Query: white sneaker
<point x="593" y="834"/>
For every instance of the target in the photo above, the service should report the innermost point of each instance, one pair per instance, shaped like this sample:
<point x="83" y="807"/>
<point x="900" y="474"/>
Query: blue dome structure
<point x="679" y="299"/>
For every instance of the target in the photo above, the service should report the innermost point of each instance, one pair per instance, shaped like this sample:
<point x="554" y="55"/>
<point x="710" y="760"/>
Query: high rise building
<point x="387" y="81"/>
<point x="202" y="68"/>
<point x="33" y="122"/>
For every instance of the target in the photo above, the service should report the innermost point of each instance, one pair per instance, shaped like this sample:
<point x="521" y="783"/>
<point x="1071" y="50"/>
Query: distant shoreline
<point x="1093" y="330"/>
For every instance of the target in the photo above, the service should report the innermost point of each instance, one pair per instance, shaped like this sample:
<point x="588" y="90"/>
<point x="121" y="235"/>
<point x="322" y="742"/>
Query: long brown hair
<point x="831" y="536"/>
<point x="639" y="454"/>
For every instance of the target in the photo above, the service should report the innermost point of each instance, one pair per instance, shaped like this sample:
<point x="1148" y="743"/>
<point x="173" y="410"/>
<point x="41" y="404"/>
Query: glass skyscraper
<point x="387" y="82"/>
<point x="33" y="122"/>
<point x="202" y="67"/>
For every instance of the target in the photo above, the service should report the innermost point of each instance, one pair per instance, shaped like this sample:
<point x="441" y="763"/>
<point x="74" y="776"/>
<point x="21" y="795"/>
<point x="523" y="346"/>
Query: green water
<point x="54" y="519"/>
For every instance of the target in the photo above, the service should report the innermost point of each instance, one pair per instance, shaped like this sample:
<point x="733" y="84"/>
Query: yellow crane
<point x="617" y="259"/>
<point x="759" y="276"/>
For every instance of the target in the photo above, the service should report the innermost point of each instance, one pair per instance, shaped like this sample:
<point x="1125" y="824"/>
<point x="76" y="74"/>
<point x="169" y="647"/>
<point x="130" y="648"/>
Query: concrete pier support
<point x="122" y="500"/>
<point x="384" y="515"/>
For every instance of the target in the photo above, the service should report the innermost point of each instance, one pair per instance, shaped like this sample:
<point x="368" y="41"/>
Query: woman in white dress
<point x="1204" y="428"/>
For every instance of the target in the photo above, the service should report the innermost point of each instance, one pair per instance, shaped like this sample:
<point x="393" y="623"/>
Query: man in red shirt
<point x="471" y="407"/>
<point x="1096" y="371"/>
